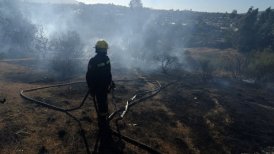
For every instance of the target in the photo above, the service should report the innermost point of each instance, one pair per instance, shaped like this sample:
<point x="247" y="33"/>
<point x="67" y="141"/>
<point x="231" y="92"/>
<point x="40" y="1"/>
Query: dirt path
<point x="29" y="59"/>
<point x="13" y="60"/>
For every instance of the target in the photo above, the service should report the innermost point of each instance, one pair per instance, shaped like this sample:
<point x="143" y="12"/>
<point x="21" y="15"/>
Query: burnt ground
<point x="190" y="116"/>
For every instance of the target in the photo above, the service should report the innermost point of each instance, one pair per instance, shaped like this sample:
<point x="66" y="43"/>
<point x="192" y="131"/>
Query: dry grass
<point x="187" y="117"/>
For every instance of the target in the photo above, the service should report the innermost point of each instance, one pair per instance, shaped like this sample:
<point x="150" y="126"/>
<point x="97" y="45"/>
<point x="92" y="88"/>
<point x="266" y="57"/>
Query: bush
<point x="67" y="47"/>
<point x="41" y="43"/>
<point x="169" y="64"/>
<point x="234" y="63"/>
<point x="261" y="65"/>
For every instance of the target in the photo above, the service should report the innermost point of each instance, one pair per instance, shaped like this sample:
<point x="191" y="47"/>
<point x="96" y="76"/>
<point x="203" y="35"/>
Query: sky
<point x="196" y="5"/>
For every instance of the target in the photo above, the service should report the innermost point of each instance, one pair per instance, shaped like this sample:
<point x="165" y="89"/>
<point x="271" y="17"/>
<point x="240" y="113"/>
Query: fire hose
<point x="139" y="97"/>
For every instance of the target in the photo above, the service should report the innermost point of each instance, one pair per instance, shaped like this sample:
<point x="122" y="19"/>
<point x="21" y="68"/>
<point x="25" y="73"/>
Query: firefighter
<point x="99" y="80"/>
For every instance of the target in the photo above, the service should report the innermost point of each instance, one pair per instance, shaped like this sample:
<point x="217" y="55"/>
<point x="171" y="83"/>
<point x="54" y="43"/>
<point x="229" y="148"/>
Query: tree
<point x="40" y="42"/>
<point x="68" y="47"/>
<point x="233" y="14"/>
<point x="247" y="35"/>
<point x="265" y="26"/>
<point x="255" y="31"/>
<point x="168" y="63"/>
<point x="135" y="4"/>
<point x="16" y="32"/>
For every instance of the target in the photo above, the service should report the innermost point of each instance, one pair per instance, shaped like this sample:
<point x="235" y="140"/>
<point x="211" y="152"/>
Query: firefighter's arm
<point x="89" y="76"/>
<point x="111" y="82"/>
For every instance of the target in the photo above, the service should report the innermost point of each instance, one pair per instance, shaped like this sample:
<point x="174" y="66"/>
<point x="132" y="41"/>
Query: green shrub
<point x="234" y="63"/>
<point x="261" y="65"/>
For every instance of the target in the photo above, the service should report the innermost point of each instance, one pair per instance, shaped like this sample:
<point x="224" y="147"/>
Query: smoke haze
<point x="137" y="37"/>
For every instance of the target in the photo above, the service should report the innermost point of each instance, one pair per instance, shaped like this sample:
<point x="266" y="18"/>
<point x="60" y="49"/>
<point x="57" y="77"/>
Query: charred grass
<point x="190" y="116"/>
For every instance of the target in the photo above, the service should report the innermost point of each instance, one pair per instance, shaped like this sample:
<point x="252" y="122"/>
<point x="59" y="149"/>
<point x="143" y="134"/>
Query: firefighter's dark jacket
<point x="99" y="76"/>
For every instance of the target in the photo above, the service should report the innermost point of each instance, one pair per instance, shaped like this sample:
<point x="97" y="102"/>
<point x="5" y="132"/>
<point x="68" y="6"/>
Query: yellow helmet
<point x="101" y="44"/>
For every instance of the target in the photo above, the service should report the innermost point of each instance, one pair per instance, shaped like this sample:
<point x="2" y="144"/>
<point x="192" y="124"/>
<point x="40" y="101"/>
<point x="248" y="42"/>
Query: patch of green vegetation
<point x="261" y="65"/>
